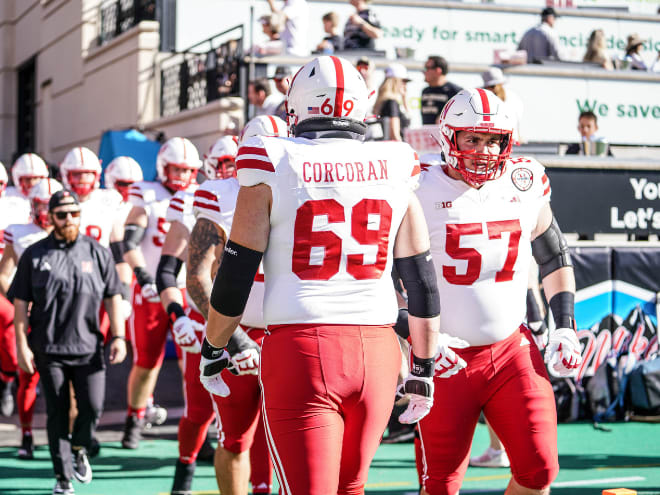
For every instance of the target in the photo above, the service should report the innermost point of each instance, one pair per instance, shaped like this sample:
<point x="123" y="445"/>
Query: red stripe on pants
<point x="328" y="394"/>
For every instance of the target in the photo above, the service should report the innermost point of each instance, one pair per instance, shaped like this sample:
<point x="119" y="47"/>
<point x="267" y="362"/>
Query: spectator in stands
<point x="634" y="53"/>
<point x="294" y="34"/>
<point x="282" y="80"/>
<point x="259" y="96"/>
<point x="374" y="130"/>
<point x="588" y="127"/>
<point x="271" y="25"/>
<point x="439" y="90"/>
<point x="597" y="50"/>
<point x="542" y="42"/>
<point x="494" y="81"/>
<point x="333" y="41"/>
<point x="391" y="105"/>
<point x="362" y="28"/>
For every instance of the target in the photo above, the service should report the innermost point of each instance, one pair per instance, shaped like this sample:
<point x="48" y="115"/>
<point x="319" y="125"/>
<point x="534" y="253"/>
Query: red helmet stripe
<point x="82" y="160"/>
<point x="484" y="103"/>
<point x="272" y="121"/>
<point x="339" y="93"/>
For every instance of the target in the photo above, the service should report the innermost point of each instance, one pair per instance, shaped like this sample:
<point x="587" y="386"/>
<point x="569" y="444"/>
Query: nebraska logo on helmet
<point x="176" y="163"/>
<point x="27" y="170"/>
<point x="220" y="161"/>
<point x="478" y="111"/>
<point x="39" y="197"/>
<point x="522" y="178"/>
<point x="81" y="171"/>
<point x="327" y="94"/>
<point x="121" y="173"/>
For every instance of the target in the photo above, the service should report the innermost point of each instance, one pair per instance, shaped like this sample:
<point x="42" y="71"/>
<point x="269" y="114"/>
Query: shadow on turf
<point x="592" y="461"/>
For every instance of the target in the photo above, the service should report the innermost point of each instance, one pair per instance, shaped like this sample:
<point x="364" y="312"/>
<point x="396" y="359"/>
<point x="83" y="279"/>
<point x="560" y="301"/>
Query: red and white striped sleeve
<point x="6" y="237"/>
<point x="175" y="209"/>
<point x="215" y="201"/>
<point x="253" y="163"/>
<point x="136" y="195"/>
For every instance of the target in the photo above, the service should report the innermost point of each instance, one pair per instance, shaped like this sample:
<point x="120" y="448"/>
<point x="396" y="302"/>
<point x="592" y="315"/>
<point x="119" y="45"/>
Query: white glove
<point x="211" y="364"/>
<point x="150" y="293"/>
<point x="126" y="309"/>
<point x="184" y="330"/>
<point x="564" y="353"/>
<point x="447" y="362"/>
<point x="246" y="362"/>
<point x="419" y="390"/>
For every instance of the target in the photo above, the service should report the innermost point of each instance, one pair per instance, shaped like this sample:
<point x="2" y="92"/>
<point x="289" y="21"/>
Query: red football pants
<point x="148" y="326"/>
<point x="509" y="382"/>
<point x="8" y="360"/>
<point x="327" y="396"/>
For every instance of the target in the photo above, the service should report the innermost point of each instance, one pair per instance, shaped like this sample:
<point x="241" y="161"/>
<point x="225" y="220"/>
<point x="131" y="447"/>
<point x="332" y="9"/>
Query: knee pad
<point x="540" y="478"/>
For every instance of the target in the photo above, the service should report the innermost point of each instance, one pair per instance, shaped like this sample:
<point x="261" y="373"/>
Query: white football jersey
<point x="481" y="247"/>
<point x="336" y="209"/>
<point x="180" y="208"/>
<point x="215" y="201"/>
<point x="98" y="213"/>
<point x="20" y="236"/>
<point x="14" y="208"/>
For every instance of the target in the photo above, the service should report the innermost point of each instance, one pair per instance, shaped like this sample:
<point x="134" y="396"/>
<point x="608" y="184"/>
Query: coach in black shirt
<point x="60" y="281"/>
<point x="439" y="90"/>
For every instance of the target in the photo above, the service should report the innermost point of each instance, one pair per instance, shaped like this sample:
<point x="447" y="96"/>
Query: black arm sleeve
<point x="418" y="276"/>
<point x="133" y="235"/>
<point x="167" y="272"/>
<point x="118" y="251"/>
<point x="233" y="282"/>
<point x="550" y="250"/>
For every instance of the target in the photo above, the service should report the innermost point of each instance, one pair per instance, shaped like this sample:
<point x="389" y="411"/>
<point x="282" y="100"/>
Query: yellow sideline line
<point x="630" y="466"/>
<point x="488" y="478"/>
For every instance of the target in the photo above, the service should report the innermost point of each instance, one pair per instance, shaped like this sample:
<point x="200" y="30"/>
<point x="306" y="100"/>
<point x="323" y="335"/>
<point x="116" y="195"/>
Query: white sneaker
<point x="491" y="458"/>
<point x="154" y="416"/>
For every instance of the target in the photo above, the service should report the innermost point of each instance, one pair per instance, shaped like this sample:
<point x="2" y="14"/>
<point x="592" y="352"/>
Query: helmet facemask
<point x="82" y="182"/>
<point x="178" y="182"/>
<point x="26" y="182"/>
<point x="40" y="213"/>
<point x="123" y="187"/>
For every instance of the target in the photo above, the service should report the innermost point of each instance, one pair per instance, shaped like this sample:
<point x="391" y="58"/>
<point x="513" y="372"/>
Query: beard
<point x="68" y="232"/>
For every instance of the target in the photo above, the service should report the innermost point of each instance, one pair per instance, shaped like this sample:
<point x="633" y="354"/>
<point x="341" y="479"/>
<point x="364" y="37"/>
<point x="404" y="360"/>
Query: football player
<point x="488" y="215"/>
<point x="144" y="234"/>
<point x="330" y="215"/>
<point x="18" y="237"/>
<point x="242" y="453"/>
<point x="27" y="170"/>
<point x="263" y="125"/>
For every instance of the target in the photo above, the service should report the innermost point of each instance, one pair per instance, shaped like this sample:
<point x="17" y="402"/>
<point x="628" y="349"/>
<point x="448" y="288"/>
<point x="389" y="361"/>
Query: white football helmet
<point x="327" y="93"/>
<point x="220" y="161"/>
<point x="77" y="160"/>
<point x="28" y="166"/>
<point x="4" y="179"/>
<point x="121" y="173"/>
<point x="178" y="152"/>
<point x="39" y="197"/>
<point x="263" y="125"/>
<point x="481" y="111"/>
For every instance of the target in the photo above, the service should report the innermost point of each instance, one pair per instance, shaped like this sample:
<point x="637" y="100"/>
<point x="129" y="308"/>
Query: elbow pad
<point x="133" y="235"/>
<point x="167" y="272"/>
<point x="117" y="249"/>
<point x="550" y="250"/>
<point x="234" y="279"/>
<point x="418" y="276"/>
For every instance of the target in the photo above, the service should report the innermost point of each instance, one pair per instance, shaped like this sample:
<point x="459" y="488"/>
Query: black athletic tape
<point x="175" y="311"/>
<point x="422" y="367"/>
<point x="550" y="250"/>
<point x="117" y="249"/>
<point x="142" y="276"/>
<point x="133" y="235"/>
<point x="562" y="306"/>
<point x="533" y="310"/>
<point x="234" y="279"/>
<point x="401" y="326"/>
<point x="418" y="276"/>
<point x="167" y="272"/>
<point x="417" y="387"/>
<point x="218" y="356"/>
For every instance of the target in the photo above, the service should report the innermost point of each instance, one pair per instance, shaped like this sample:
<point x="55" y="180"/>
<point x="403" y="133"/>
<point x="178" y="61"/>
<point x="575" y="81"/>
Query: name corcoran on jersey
<point x="336" y="209"/>
<point x="98" y="214"/>
<point x="482" y="265"/>
<point x="215" y="200"/>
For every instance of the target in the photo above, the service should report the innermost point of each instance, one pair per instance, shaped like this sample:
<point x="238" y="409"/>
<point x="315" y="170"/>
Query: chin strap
<point x="330" y="125"/>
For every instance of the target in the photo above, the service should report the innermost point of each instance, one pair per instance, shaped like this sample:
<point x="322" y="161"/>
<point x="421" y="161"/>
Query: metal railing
<point x="118" y="16"/>
<point x="207" y="71"/>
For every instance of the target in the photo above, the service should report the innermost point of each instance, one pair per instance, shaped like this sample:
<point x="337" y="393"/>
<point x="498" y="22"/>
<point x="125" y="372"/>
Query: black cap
<point x="548" y="11"/>
<point x="281" y="72"/>
<point x="63" y="198"/>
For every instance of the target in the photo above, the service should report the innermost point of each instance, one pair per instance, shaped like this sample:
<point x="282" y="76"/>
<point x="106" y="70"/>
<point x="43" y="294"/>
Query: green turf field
<point x="591" y="460"/>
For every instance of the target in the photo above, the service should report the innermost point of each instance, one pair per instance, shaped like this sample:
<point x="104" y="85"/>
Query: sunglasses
<point x="61" y="215"/>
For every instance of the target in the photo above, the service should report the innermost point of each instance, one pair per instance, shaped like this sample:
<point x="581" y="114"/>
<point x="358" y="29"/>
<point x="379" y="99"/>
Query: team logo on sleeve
<point x="522" y="178"/>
